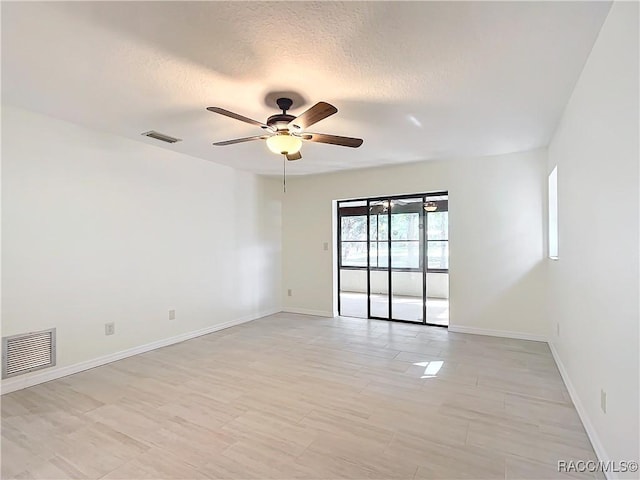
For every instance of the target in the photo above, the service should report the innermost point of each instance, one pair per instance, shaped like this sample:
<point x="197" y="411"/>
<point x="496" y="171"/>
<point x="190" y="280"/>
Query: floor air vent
<point x="28" y="352"/>
<point x="161" y="136"/>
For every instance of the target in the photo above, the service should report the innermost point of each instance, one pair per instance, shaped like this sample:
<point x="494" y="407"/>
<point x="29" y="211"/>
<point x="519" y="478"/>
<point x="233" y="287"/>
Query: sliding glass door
<point x="393" y="261"/>
<point x="436" y="246"/>
<point x="353" y="266"/>
<point x="378" y="268"/>
<point x="407" y="272"/>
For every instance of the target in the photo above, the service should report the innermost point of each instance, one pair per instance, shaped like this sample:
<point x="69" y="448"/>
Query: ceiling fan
<point x="285" y="133"/>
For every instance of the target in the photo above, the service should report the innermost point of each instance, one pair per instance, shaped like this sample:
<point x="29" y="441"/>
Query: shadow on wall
<point x="269" y="263"/>
<point x="255" y="231"/>
<point x="500" y="304"/>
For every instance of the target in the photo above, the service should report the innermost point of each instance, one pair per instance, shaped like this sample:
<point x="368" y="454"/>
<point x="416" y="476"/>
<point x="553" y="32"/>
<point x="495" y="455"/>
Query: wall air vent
<point x="161" y="136"/>
<point x="28" y="352"/>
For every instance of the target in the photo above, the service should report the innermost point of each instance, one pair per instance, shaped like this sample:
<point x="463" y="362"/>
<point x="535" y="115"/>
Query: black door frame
<point x="424" y="253"/>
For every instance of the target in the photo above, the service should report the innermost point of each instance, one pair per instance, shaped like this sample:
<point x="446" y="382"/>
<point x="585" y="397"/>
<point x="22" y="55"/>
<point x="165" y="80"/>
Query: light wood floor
<point x="290" y="396"/>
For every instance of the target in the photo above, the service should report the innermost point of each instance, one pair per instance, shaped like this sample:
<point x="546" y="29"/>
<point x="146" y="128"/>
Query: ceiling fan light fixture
<point x="284" y="144"/>
<point x="430" y="206"/>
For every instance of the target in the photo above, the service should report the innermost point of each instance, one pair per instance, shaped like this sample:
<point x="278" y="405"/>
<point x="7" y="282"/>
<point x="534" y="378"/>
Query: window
<point x="438" y="240"/>
<point x="354" y="240"/>
<point x="379" y="226"/>
<point x="553" y="214"/>
<point x="405" y="240"/>
<point x="409" y="249"/>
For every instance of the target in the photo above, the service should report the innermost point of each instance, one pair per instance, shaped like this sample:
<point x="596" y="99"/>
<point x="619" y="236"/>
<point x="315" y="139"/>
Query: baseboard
<point x="305" y="311"/>
<point x="18" y="383"/>
<point x="582" y="413"/>
<point x="497" y="333"/>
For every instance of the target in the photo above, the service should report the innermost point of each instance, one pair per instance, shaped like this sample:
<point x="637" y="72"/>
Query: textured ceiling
<point x="415" y="80"/>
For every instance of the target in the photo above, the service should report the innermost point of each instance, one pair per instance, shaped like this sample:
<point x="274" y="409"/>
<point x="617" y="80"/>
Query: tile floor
<point x="292" y="396"/>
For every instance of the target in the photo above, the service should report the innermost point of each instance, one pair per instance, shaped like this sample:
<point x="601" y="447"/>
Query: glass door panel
<point x="352" y="223"/>
<point x="379" y="259"/>
<point x="407" y="278"/>
<point x="437" y="260"/>
<point x="353" y="293"/>
<point x="438" y="298"/>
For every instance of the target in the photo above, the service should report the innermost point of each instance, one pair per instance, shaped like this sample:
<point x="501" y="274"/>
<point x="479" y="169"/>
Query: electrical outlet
<point x="603" y="400"/>
<point x="289" y="293"/>
<point x="109" y="328"/>
<point x="558" y="329"/>
<point x="325" y="246"/>
<point x="172" y="314"/>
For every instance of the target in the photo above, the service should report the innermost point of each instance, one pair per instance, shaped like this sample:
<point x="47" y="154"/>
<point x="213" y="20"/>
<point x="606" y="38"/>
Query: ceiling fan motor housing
<point x="280" y="121"/>
<point x="284" y="104"/>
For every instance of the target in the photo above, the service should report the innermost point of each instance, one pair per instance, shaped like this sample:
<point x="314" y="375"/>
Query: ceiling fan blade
<point x="333" y="139"/>
<point x="241" y="140"/>
<point x="227" y="113"/>
<point x="319" y="111"/>
<point x="294" y="156"/>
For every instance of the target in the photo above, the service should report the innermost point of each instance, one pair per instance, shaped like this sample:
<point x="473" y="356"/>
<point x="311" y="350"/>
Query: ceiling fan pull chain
<point x="284" y="173"/>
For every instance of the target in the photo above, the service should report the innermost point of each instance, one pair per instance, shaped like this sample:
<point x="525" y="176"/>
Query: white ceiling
<point x="415" y="80"/>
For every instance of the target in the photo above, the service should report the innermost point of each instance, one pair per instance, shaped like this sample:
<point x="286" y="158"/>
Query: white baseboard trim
<point x="18" y="383"/>
<point x="582" y="413"/>
<point x="497" y="333"/>
<point x="305" y="311"/>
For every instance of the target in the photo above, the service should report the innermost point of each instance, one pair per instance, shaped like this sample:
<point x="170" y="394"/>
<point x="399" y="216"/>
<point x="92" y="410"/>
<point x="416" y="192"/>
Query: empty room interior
<point x="320" y="240"/>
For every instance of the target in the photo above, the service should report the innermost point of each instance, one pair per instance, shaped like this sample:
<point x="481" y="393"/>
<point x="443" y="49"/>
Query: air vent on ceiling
<point x="28" y="352"/>
<point x="161" y="136"/>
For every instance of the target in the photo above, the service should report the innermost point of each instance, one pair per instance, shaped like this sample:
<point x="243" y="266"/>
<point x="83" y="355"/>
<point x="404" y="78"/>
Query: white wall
<point x="594" y="286"/>
<point x="404" y="283"/>
<point x="496" y="232"/>
<point x="97" y="228"/>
